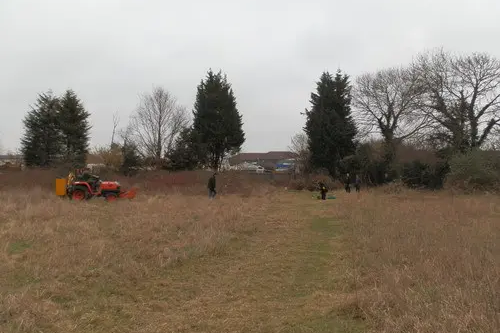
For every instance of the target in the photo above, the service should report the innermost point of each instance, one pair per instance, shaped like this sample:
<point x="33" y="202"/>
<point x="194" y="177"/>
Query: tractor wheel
<point x="111" y="197"/>
<point x="79" y="194"/>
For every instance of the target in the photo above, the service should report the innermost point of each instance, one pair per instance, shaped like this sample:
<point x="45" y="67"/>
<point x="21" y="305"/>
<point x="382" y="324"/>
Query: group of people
<point x="347" y="183"/>
<point x="323" y="190"/>
<point x="322" y="187"/>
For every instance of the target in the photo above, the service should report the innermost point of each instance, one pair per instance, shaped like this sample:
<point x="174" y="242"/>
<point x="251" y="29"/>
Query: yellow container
<point x="61" y="186"/>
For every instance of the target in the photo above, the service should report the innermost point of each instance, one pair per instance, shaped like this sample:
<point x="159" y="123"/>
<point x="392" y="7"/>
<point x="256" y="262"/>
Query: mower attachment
<point x="130" y="194"/>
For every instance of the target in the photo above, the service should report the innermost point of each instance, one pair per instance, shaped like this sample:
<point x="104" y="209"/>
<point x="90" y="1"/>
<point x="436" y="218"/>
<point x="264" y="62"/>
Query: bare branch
<point x="158" y="120"/>
<point x="300" y="146"/>
<point x="126" y="135"/>
<point x="388" y="102"/>
<point x="116" y="122"/>
<point x="462" y="95"/>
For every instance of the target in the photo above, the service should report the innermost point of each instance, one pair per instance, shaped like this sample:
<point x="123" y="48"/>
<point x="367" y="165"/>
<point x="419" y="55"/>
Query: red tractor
<point x="86" y="188"/>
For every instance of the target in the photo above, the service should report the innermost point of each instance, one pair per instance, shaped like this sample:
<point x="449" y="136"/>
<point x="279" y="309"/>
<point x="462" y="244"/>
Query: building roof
<point x="280" y="155"/>
<point x="11" y="157"/>
<point x="249" y="156"/>
<point x="269" y="156"/>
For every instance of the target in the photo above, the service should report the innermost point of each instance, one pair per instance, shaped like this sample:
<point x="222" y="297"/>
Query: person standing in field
<point x="347" y="183"/>
<point x="323" y="190"/>
<point x="357" y="184"/>
<point x="211" y="187"/>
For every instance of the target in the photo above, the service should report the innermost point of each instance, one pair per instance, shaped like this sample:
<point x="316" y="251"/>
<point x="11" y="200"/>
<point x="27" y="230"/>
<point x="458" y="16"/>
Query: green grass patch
<point x="18" y="247"/>
<point x="313" y="260"/>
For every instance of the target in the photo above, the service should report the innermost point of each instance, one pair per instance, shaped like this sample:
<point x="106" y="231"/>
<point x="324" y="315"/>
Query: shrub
<point x="311" y="183"/>
<point x="111" y="157"/>
<point x="394" y="187"/>
<point x="368" y="164"/>
<point x="418" y="174"/>
<point x="314" y="180"/>
<point x="297" y="184"/>
<point x="475" y="171"/>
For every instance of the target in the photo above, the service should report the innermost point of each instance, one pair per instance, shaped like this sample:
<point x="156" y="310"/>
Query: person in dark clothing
<point x="211" y="187"/>
<point x="347" y="183"/>
<point x="323" y="190"/>
<point x="357" y="184"/>
<point x="84" y="175"/>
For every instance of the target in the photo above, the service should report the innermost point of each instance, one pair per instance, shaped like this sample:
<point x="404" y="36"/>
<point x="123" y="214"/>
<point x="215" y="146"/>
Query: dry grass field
<point x="266" y="261"/>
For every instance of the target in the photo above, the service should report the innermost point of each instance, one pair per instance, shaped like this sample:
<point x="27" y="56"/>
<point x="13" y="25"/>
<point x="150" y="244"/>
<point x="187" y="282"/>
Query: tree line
<point x="159" y="134"/>
<point x="441" y="103"/>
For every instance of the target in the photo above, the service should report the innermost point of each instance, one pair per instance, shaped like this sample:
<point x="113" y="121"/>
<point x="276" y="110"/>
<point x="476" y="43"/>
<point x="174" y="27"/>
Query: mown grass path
<point x="289" y="277"/>
<point x="290" y="274"/>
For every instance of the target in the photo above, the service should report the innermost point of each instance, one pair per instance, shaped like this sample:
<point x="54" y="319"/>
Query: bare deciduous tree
<point x="300" y="146"/>
<point x="116" y="122"/>
<point x="157" y="122"/>
<point x="387" y="102"/>
<point x="462" y="96"/>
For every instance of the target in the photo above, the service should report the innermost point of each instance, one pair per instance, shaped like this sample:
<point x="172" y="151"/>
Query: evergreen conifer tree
<point x="41" y="142"/>
<point x="75" y="129"/>
<point x="217" y="124"/>
<point x="329" y="126"/>
<point x="184" y="155"/>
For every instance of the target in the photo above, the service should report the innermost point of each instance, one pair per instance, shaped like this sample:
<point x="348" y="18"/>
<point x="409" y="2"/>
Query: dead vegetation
<point x="71" y="267"/>
<point x="163" y="182"/>
<point x="427" y="262"/>
<point x="258" y="260"/>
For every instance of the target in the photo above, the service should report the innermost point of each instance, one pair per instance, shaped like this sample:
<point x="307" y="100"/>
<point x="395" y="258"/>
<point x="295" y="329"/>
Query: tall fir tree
<point x="41" y="142"/>
<point x="330" y="127"/>
<point x="217" y="124"/>
<point x="75" y="129"/>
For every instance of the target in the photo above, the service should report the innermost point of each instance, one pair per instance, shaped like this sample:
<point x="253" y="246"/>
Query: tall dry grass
<point x="160" y="181"/>
<point x="415" y="261"/>
<point x="426" y="262"/>
<point x="58" y="255"/>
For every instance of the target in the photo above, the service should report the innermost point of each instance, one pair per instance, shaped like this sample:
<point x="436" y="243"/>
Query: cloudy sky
<point x="110" y="51"/>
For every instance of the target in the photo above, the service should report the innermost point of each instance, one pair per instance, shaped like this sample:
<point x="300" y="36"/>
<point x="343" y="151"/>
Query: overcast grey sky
<point x="273" y="51"/>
